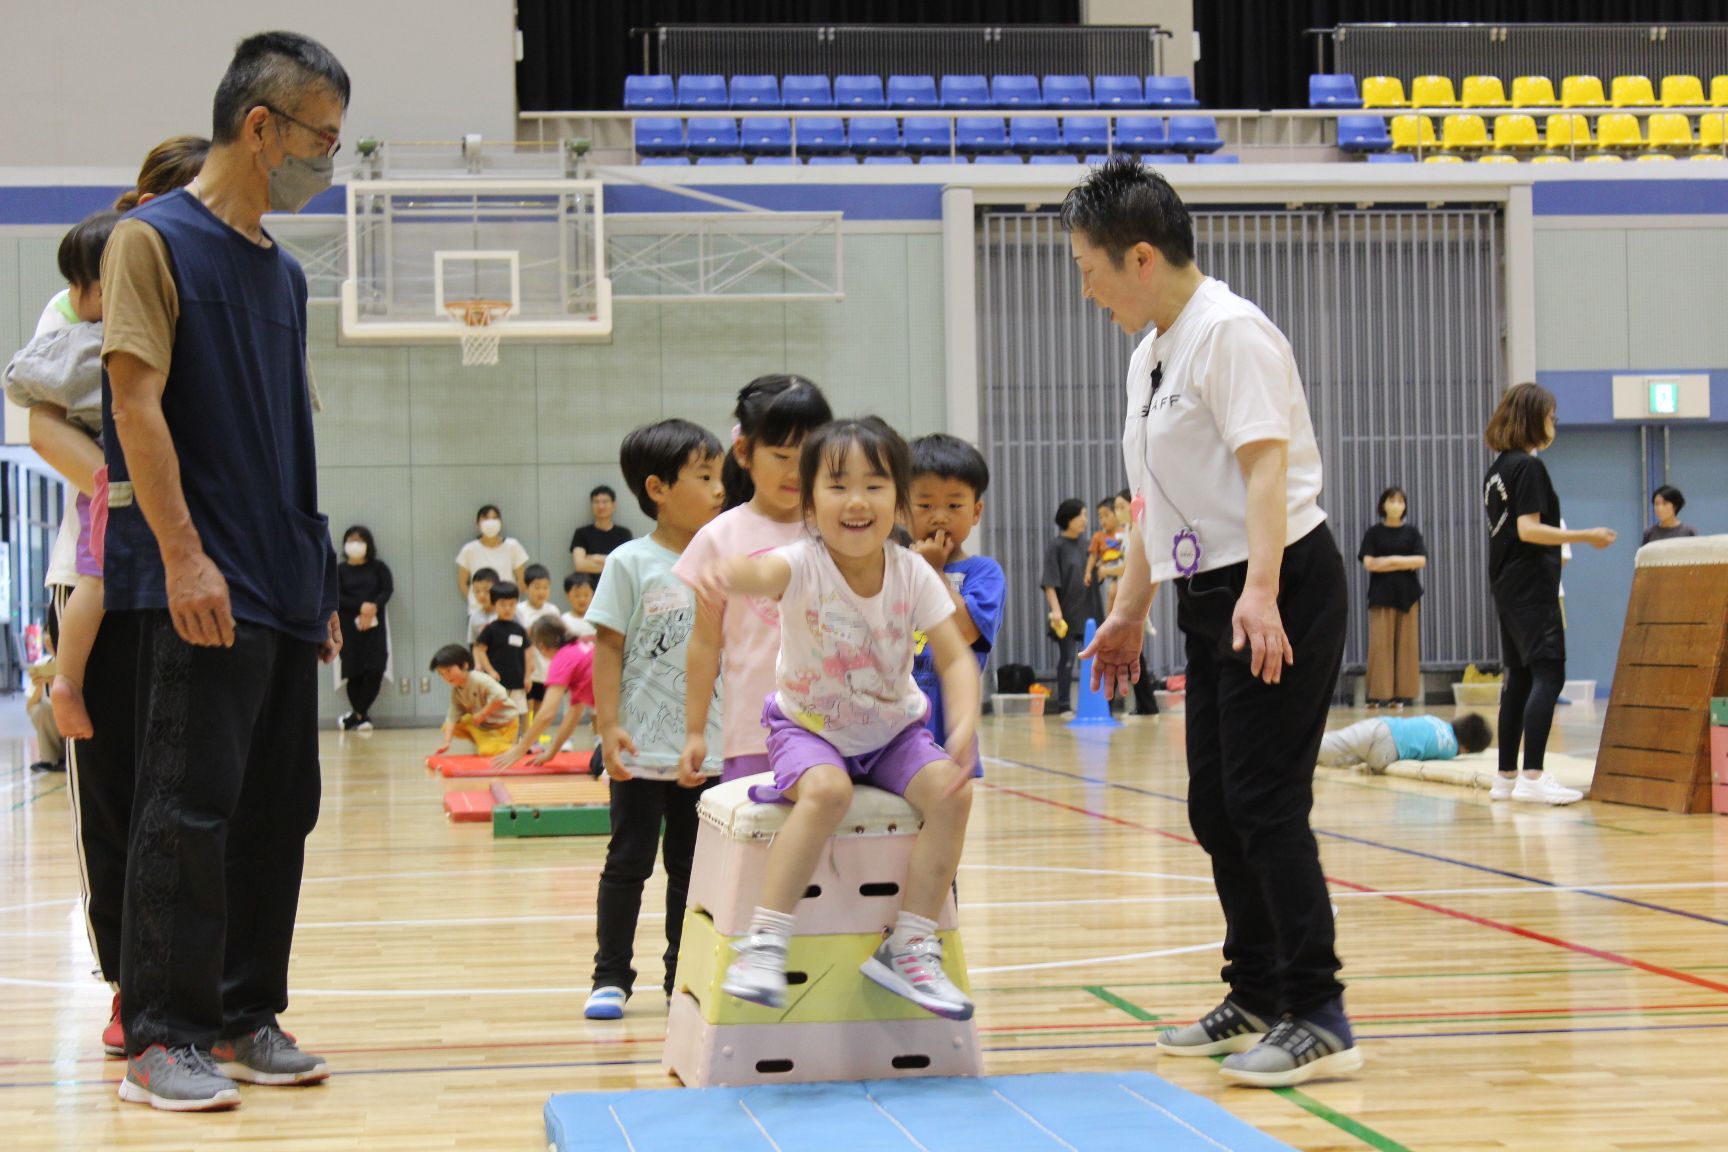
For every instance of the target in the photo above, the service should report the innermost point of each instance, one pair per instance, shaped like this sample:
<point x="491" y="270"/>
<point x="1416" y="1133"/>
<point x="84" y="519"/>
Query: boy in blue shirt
<point x="949" y="477"/>
<point x="1378" y="743"/>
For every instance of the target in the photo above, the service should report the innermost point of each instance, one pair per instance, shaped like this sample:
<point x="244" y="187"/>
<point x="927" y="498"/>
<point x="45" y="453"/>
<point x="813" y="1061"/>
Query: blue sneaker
<point x="605" y="1004"/>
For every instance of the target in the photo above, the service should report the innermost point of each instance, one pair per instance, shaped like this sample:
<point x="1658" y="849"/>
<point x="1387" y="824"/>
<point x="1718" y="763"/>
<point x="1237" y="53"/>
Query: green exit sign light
<point x="1664" y="397"/>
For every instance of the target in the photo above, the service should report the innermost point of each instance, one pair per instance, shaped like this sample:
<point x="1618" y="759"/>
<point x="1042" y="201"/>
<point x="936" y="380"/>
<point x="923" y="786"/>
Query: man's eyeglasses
<point x="332" y="143"/>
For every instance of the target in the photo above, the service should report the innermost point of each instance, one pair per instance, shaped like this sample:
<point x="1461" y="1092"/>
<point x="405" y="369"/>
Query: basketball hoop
<point x="482" y="319"/>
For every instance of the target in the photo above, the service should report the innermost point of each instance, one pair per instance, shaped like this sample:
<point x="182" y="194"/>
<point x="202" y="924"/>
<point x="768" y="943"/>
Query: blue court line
<point x="1416" y="852"/>
<point x="33" y="797"/>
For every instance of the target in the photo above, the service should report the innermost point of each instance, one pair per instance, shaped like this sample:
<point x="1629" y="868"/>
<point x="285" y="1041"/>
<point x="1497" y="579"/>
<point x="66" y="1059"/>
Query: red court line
<point x="1427" y="906"/>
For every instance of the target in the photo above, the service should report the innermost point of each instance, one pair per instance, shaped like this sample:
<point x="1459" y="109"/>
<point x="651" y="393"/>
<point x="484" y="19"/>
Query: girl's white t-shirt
<point x="845" y="667"/>
<point x="1226" y="378"/>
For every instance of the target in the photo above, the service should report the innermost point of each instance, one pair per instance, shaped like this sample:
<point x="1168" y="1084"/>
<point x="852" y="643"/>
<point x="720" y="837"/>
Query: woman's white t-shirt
<point x="1226" y="378"/>
<point x="503" y="559"/>
<point x="845" y="668"/>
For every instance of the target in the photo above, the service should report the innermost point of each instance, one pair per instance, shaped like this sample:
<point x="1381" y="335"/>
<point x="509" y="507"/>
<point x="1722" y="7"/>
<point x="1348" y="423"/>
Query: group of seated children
<point x="847" y="659"/>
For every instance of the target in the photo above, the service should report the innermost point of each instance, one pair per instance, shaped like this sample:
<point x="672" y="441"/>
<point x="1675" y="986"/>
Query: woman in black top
<point x="364" y="586"/>
<point x="1666" y="503"/>
<point x="1524" y="540"/>
<point x="1393" y="552"/>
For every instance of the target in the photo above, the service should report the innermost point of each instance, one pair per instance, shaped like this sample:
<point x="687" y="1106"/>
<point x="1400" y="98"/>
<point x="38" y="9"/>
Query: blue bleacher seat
<point x="997" y="158"/>
<point x="757" y="92"/>
<point x="875" y="134"/>
<point x="1067" y="92"/>
<point x="665" y="162"/>
<point x="774" y="161"/>
<point x="1391" y="158"/>
<point x="1363" y="134"/>
<point x="929" y="135"/>
<point x="965" y="92"/>
<point x="649" y="92"/>
<point x="820" y="134"/>
<point x="713" y="135"/>
<point x="703" y="92"/>
<point x="767" y="135"/>
<point x="858" y="92"/>
<point x="1170" y="92"/>
<point x="658" y="135"/>
<point x="1160" y="159"/>
<point x="1118" y="92"/>
<point x="980" y="134"/>
<point x="1194" y="134"/>
<point x="1085" y="133"/>
<point x="1328" y="91"/>
<point x="887" y="159"/>
<point x="1139" y="131"/>
<point x="721" y="161"/>
<point x="913" y="92"/>
<point x="1035" y="134"/>
<point x="1216" y="158"/>
<point x="1054" y="160"/>
<point x="806" y="92"/>
<point x="1016" y="92"/>
<point x="829" y="161"/>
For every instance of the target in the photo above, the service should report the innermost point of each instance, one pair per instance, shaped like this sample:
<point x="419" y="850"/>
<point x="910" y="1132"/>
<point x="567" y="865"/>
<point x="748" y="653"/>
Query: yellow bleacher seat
<point x="1669" y="130"/>
<point x="1464" y="131"/>
<point x="1516" y="130"/>
<point x="1682" y="92"/>
<point x="1551" y="158"/>
<point x="1713" y="129"/>
<point x="1568" y="130"/>
<point x="1653" y="156"/>
<point x="1432" y="92"/>
<point x="1442" y="158"/>
<point x="1603" y="158"/>
<point x="1582" y="92"/>
<point x="1709" y="156"/>
<point x="1619" y="130"/>
<point x="1484" y="92"/>
<point x="1719" y="91"/>
<point x="1382" y="92"/>
<point x="1496" y="158"/>
<point x="1412" y="132"/>
<point x="1632" y="92"/>
<point x="1533" y="92"/>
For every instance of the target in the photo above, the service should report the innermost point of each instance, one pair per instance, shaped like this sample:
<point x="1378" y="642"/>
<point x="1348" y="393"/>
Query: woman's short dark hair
<point x="452" y="656"/>
<point x="662" y="449"/>
<point x="950" y="458"/>
<point x="81" y="249"/>
<point x="1067" y="510"/>
<point x="1671" y="494"/>
<point x="365" y="534"/>
<point x="824" y="454"/>
<point x="276" y="70"/>
<point x="1394" y="490"/>
<point x="775" y="411"/>
<point x="1122" y="203"/>
<point x="1520" y="420"/>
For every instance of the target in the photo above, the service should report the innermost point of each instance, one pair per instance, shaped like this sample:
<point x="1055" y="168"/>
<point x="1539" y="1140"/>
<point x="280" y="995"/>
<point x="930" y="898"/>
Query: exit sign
<point x="1664" y="397"/>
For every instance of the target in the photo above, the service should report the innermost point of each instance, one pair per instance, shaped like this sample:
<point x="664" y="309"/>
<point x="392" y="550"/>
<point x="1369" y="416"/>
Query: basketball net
<point x="482" y="320"/>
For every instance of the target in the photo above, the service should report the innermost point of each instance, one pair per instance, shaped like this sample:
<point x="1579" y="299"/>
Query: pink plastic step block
<point x="857" y="886"/>
<point x="704" y="1055"/>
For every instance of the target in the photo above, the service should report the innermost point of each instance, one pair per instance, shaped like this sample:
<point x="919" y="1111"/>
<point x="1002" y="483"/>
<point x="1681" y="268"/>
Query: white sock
<point x="908" y="928"/>
<point x="767" y="922"/>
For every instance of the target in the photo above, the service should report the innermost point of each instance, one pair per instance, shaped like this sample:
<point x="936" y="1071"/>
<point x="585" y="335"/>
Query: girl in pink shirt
<point x="763" y="512"/>
<point x="569" y="672"/>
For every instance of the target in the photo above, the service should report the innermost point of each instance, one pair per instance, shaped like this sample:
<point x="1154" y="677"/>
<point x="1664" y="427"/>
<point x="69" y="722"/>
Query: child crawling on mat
<point x="1378" y="743"/>
<point x="481" y="712"/>
<point x="847" y="709"/>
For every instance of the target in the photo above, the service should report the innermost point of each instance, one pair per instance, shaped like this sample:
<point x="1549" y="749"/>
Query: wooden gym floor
<point x="1520" y="977"/>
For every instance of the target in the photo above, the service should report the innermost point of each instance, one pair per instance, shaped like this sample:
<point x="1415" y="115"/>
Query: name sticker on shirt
<point x="659" y="601"/>
<point x="515" y="641"/>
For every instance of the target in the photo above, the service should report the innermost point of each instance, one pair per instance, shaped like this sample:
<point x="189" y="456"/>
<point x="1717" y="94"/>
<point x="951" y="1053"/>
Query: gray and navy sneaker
<point x="1227" y="1028"/>
<point x="182" y="1079"/>
<point x="269" y="1056"/>
<point x="1294" y="1052"/>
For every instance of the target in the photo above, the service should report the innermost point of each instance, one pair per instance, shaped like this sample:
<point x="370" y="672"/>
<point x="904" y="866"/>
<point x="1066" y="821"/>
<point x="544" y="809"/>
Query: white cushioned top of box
<point x="1683" y="552"/>
<point x="874" y="812"/>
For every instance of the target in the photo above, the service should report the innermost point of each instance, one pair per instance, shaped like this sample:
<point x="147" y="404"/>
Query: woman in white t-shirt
<point x="492" y="549"/>
<point x="1226" y="476"/>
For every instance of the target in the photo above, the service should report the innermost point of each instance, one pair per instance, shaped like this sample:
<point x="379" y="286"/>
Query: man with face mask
<point x="216" y="550"/>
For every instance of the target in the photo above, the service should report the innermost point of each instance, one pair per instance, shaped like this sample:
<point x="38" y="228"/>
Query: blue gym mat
<point x="1088" y="1112"/>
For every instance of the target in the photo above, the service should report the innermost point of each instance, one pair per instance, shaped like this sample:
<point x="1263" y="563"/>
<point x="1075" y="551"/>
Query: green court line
<point x="31" y="799"/>
<point x="1116" y="1001"/>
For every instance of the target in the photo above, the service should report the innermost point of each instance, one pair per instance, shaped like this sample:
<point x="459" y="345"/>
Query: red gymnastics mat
<point x="563" y="764"/>
<point x="469" y="805"/>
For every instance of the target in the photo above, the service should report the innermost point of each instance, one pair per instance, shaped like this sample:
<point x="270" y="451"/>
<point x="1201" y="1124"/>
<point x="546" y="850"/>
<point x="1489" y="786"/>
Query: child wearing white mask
<point x="491" y="549"/>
